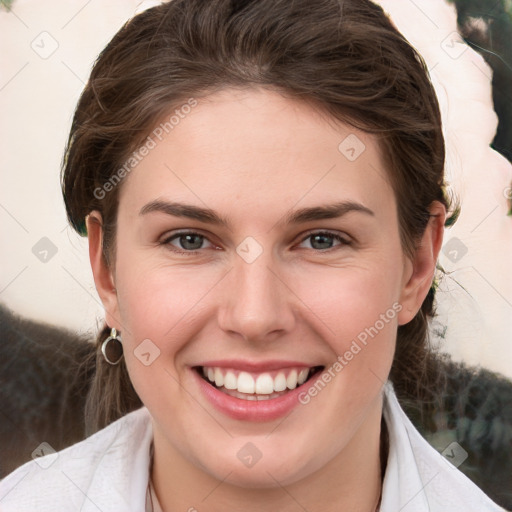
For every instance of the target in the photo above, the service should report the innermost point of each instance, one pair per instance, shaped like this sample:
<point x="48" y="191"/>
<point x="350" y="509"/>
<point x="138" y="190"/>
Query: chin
<point x="274" y="468"/>
<point x="270" y="476"/>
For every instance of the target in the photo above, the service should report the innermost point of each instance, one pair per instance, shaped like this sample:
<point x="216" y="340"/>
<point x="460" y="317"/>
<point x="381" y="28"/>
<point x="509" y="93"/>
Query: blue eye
<point x="323" y="240"/>
<point x="189" y="242"/>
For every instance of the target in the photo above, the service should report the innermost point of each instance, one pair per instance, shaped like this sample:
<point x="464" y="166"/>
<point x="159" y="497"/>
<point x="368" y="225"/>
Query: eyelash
<point x="343" y="241"/>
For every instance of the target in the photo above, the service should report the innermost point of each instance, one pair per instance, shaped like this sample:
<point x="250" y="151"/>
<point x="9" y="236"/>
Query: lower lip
<point x="252" y="410"/>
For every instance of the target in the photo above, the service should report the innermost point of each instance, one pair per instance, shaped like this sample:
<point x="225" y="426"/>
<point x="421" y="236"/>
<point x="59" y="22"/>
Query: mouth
<point x="257" y="386"/>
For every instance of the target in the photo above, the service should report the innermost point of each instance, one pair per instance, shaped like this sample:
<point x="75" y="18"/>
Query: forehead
<point x="255" y="146"/>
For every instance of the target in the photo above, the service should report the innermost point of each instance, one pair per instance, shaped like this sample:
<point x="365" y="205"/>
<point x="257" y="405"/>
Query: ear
<point x="420" y="270"/>
<point x="103" y="275"/>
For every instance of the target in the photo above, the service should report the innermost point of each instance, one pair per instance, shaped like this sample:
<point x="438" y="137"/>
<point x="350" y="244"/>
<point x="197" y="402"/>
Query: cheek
<point x="167" y="304"/>
<point x="357" y="313"/>
<point x="159" y="302"/>
<point x="160" y="305"/>
<point x="351" y="299"/>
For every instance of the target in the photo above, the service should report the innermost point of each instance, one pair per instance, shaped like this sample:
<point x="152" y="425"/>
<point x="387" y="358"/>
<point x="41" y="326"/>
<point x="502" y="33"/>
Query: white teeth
<point x="263" y="387"/>
<point x="245" y="396"/>
<point x="280" y="382"/>
<point x="264" y="384"/>
<point x="303" y="375"/>
<point x="230" y="380"/>
<point x="245" y="383"/>
<point x="291" y="380"/>
<point x="219" y="378"/>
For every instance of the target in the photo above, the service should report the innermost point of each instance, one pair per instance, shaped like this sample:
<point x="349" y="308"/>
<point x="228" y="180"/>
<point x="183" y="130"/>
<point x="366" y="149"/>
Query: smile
<point x="257" y="386"/>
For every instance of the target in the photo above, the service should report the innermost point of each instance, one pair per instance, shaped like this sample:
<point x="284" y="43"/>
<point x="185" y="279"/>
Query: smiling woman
<point x="266" y="264"/>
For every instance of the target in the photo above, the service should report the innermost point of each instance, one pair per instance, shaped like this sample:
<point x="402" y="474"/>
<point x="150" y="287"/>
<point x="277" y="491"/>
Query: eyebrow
<point x="208" y="216"/>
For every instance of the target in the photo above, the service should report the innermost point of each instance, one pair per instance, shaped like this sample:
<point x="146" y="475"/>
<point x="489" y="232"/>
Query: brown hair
<point x="344" y="56"/>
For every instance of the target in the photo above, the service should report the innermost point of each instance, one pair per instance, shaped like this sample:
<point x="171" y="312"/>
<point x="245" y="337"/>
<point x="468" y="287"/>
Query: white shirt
<point x="109" y="471"/>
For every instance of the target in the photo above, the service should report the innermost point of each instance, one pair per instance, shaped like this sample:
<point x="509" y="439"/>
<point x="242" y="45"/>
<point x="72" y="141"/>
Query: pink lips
<point x="252" y="410"/>
<point x="253" y="366"/>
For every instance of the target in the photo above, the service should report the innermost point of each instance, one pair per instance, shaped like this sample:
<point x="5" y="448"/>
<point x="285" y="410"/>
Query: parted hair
<point x="343" y="56"/>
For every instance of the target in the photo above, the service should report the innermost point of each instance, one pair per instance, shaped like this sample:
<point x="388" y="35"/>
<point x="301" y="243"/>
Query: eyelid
<point x="168" y="237"/>
<point x="343" y="238"/>
<point x="341" y="235"/>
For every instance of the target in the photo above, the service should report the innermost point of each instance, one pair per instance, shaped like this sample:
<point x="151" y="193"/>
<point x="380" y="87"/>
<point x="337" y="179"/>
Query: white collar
<point x="420" y="479"/>
<point x="109" y="471"/>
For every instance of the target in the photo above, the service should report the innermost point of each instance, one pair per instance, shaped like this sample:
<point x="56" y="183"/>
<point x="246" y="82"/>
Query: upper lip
<point x="256" y="366"/>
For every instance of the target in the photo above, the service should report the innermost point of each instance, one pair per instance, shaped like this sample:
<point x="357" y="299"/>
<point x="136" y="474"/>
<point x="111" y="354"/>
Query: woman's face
<point x="256" y="243"/>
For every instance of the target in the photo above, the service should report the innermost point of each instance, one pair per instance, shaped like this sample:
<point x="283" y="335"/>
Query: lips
<point x="256" y="402"/>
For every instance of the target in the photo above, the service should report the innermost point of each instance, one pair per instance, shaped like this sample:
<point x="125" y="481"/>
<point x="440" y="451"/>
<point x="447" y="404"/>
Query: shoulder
<point x="106" y="471"/>
<point x="419" y="477"/>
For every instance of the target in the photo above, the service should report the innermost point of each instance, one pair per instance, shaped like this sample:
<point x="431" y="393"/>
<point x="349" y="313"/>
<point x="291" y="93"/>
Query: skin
<point x="254" y="156"/>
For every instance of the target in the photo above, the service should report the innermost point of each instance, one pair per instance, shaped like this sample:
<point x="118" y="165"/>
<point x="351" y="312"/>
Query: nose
<point x="257" y="303"/>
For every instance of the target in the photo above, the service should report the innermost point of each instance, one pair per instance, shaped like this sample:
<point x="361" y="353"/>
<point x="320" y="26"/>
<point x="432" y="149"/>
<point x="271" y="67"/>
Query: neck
<point x="352" y="480"/>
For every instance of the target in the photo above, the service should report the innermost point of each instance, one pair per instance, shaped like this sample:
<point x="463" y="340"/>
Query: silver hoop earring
<point x="112" y="348"/>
